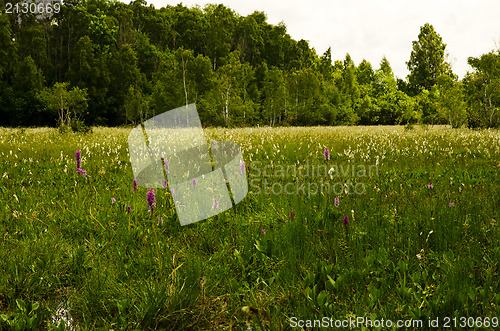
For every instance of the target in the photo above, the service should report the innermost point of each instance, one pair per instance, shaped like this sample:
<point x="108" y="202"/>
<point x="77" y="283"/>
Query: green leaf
<point x="322" y="298"/>
<point x="21" y="305"/>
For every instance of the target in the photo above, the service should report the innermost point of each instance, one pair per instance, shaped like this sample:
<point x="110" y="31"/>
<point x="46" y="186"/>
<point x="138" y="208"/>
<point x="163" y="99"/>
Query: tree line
<point x="103" y="62"/>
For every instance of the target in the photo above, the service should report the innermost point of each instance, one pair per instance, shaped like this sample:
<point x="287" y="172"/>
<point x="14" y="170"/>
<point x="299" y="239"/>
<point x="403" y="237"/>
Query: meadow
<point x="392" y="223"/>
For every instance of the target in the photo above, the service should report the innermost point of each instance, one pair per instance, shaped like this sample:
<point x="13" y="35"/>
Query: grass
<point x="73" y="259"/>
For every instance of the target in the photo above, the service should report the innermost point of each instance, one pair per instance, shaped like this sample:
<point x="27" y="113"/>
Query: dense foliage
<point x="103" y="62"/>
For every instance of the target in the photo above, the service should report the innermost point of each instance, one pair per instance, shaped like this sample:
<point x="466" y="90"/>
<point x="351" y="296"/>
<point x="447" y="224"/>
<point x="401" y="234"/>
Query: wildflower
<point x="151" y="199"/>
<point x="134" y="185"/>
<point x="78" y="156"/>
<point x="242" y="167"/>
<point x="165" y="184"/>
<point x="327" y="154"/>
<point x="451" y="204"/>
<point x="172" y="191"/>
<point x="83" y="172"/>
<point x="430" y="186"/>
<point x="420" y="256"/>
<point x="129" y="209"/>
<point x="292" y="215"/>
<point x="346" y="220"/>
<point x="215" y="204"/>
<point x="194" y="182"/>
<point x="263" y="230"/>
<point x="337" y="202"/>
<point x="331" y="173"/>
<point x="113" y="200"/>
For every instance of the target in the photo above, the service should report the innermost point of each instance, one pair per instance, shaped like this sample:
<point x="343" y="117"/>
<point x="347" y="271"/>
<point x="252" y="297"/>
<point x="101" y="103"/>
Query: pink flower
<point x="78" y="156"/>
<point x="113" y="200"/>
<point x="165" y="184"/>
<point x="82" y="172"/>
<point x="451" y="204"/>
<point x="430" y="186"/>
<point x="134" y="185"/>
<point x="346" y="220"/>
<point x="151" y="199"/>
<point x="292" y="215"/>
<point x="337" y="202"/>
<point x="129" y="209"/>
<point x="194" y="182"/>
<point x="263" y="230"/>
<point x="327" y="154"/>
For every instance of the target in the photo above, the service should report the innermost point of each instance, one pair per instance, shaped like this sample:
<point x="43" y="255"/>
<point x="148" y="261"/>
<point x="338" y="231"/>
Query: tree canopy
<point x="117" y="63"/>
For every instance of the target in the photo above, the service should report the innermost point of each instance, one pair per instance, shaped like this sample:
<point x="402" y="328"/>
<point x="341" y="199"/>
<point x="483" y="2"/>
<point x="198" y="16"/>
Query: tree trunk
<point x="226" y="112"/>
<point x="184" y="64"/>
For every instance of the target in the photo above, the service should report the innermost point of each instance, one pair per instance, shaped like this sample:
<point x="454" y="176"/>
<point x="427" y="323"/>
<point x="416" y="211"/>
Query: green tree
<point x="325" y="64"/>
<point x="384" y="80"/>
<point x="450" y="101"/>
<point x="148" y="56"/>
<point x="304" y="93"/>
<point x="8" y="51"/>
<point x="427" y="106"/>
<point x="483" y="90"/>
<point x="366" y="105"/>
<point x="349" y="92"/>
<point x="397" y="107"/>
<point x="274" y="93"/>
<point x="190" y="26"/>
<point x="70" y="106"/>
<point x="427" y="60"/>
<point x="89" y="71"/>
<point x="365" y="74"/>
<point x="233" y="80"/>
<point x="32" y="41"/>
<point x="249" y="37"/>
<point x="28" y="81"/>
<point x="137" y="106"/>
<point x="183" y="79"/>
<point x="222" y="22"/>
<point x="275" y="45"/>
<point x="8" y="60"/>
<point x="123" y="74"/>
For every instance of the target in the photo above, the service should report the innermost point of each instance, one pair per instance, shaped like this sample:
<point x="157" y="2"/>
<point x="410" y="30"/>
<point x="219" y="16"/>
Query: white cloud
<point x="371" y="29"/>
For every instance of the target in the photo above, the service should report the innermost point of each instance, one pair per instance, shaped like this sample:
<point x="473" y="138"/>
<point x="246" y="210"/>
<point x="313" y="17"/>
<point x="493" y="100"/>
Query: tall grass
<point x="407" y="252"/>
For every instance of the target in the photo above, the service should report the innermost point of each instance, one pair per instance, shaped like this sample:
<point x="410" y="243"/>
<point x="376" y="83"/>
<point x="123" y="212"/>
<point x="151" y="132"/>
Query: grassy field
<point x="412" y="233"/>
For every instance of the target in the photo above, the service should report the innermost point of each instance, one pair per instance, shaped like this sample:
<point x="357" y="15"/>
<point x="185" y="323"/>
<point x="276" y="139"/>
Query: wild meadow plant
<point x="151" y="199"/>
<point x="420" y="246"/>
<point x="134" y="185"/>
<point x="78" y="156"/>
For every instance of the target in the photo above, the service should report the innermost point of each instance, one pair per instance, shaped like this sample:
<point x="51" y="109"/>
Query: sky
<point x="372" y="29"/>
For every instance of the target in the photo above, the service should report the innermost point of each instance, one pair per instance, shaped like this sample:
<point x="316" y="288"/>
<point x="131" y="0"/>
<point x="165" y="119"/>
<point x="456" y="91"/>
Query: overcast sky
<point x="371" y="29"/>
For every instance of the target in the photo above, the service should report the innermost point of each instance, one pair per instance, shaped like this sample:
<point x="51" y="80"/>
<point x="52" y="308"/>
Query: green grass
<point x="406" y="253"/>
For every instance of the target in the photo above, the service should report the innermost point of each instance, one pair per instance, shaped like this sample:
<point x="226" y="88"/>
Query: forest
<point x="107" y="63"/>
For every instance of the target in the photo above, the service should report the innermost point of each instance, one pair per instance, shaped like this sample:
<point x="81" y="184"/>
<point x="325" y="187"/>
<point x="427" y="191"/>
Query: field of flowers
<point x="339" y="222"/>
